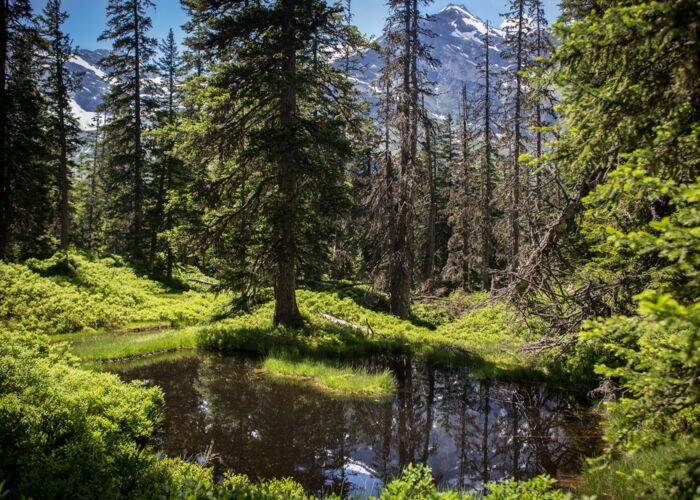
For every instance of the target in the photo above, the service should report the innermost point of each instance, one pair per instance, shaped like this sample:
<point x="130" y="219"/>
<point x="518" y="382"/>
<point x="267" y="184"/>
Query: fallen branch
<point x="202" y="282"/>
<point x="346" y="324"/>
<point x="364" y="329"/>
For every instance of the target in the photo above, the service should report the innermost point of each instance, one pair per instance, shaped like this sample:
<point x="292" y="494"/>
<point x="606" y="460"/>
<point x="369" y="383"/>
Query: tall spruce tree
<point x="517" y="30"/>
<point x="25" y="176"/>
<point x="462" y="206"/>
<point x="63" y="130"/>
<point x="487" y="167"/>
<point x="541" y="100"/>
<point x="403" y="31"/>
<point x="275" y="138"/>
<point x="169" y="172"/>
<point x="128" y="102"/>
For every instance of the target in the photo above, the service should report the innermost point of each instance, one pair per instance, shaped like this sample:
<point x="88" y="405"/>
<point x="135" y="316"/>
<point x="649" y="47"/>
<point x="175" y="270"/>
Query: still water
<point x="468" y="431"/>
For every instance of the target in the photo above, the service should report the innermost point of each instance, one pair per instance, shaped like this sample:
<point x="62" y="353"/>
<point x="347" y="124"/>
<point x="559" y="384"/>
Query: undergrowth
<point x="487" y="337"/>
<point x="72" y="292"/>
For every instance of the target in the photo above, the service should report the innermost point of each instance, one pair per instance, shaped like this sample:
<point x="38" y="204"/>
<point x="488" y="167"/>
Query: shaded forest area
<point x="564" y="191"/>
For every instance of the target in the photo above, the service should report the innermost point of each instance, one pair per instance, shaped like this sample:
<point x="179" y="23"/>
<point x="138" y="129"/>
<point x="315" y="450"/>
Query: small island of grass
<point x="343" y="380"/>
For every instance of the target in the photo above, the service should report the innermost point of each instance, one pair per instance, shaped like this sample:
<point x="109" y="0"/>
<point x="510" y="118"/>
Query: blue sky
<point x="87" y="17"/>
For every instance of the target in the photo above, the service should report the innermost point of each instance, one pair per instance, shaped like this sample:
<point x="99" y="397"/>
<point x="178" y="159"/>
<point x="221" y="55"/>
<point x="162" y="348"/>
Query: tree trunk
<point x="4" y="172"/>
<point x="538" y="145"/>
<point x="286" y="310"/>
<point x="466" y="271"/>
<point x="514" y="212"/>
<point x="486" y="179"/>
<point x="429" y="260"/>
<point x="63" y="182"/>
<point x="401" y="272"/>
<point x="138" y="153"/>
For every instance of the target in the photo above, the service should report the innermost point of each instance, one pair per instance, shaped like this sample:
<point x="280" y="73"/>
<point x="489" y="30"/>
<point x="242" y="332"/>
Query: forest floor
<point x="104" y="310"/>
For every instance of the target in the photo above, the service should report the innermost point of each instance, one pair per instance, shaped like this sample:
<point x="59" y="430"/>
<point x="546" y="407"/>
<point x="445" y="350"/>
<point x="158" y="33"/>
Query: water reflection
<point x="469" y="432"/>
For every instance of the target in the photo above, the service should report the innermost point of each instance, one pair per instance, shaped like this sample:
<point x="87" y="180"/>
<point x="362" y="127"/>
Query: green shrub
<point x="70" y="292"/>
<point x="63" y="429"/>
<point x="538" y="488"/>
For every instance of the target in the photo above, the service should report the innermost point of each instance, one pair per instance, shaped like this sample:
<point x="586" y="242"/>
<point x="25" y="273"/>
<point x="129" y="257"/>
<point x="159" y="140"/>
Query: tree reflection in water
<point x="468" y="431"/>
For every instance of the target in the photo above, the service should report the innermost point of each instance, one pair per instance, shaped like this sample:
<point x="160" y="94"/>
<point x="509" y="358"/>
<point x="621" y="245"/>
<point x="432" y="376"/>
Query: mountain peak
<point x="460" y="18"/>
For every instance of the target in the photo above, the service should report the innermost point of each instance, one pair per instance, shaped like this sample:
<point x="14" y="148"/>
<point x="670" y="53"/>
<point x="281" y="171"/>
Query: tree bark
<point x="401" y="269"/>
<point x="514" y="212"/>
<point x="466" y="270"/>
<point x="4" y="172"/>
<point x="138" y="153"/>
<point x="486" y="251"/>
<point x="63" y="181"/>
<point x="286" y="310"/>
<point x="429" y="260"/>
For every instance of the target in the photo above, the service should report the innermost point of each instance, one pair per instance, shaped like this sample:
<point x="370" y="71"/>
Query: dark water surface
<point x="468" y="431"/>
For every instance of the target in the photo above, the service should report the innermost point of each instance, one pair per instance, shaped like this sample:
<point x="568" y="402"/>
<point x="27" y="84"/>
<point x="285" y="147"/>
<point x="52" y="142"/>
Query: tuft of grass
<point x="339" y="379"/>
<point x="134" y="344"/>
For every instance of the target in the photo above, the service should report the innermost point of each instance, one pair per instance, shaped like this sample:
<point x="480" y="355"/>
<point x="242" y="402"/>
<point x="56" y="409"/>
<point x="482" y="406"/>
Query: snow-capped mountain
<point x="458" y="43"/>
<point x="93" y="84"/>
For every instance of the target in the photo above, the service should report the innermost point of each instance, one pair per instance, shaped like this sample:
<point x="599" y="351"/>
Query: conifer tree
<point x="428" y="270"/>
<point x="25" y="179"/>
<point x="129" y="101"/>
<point x="462" y="203"/>
<point x="487" y="169"/>
<point x="403" y="30"/>
<point x="275" y="138"/>
<point x="541" y="102"/>
<point x="168" y="170"/>
<point x="63" y="130"/>
<point x="517" y="37"/>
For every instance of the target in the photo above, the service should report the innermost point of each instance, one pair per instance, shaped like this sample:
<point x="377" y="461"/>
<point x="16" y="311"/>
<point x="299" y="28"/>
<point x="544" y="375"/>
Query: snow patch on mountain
<point x="85" y="118"/>
<point x="76" y="59"/>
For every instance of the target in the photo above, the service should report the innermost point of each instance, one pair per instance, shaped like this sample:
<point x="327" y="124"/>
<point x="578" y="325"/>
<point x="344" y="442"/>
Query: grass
<point x="657" y="472"/>
<point x="485" y="336"/>
<point x="84" y="300"/>
<point x="134" y="344"/>
<point x="343" y="380"/>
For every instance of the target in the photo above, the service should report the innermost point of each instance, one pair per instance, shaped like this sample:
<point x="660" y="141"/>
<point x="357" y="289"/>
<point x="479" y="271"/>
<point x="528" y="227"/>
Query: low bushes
<point x="71" y="292"/>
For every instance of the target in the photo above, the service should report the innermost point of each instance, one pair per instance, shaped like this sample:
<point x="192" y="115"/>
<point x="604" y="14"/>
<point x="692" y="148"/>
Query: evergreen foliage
<point x="271" y="126"/>
<point x="62" y="126"/>
<point x="129" y="103"/>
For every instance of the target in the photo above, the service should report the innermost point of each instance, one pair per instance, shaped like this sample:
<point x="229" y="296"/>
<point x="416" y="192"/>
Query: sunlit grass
<point x="134" y="344"/>
<point x="342" y="379"/>
<point x="486" y="337"/>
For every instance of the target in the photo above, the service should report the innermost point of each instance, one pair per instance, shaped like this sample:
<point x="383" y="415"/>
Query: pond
<point x="227" y="412"/>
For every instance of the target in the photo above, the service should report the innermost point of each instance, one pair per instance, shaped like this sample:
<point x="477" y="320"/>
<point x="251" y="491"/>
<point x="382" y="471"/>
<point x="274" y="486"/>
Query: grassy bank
<point x="484" y="334"/>
<point x="343" y="380"/>
<point x="134" y="344"/>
